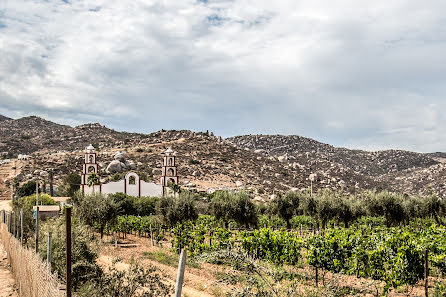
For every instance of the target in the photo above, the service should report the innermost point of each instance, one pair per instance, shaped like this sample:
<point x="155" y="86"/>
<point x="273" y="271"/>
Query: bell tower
<point x="90" y="165"/>
<point x="169" y="172"/>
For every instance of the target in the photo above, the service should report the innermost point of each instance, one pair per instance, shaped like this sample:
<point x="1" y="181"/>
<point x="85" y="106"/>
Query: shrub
<point x="71" y="184"/>
<point x="174" y="210"/>
<point x="26" y="189"/>
<point x="97" y="209"/>
<point x="84" y="251"/>
<point x="238" y="207"/>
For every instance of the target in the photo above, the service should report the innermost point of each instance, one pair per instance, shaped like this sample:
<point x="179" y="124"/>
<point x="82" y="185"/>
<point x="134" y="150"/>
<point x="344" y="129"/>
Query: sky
<point x="358" y="74"/>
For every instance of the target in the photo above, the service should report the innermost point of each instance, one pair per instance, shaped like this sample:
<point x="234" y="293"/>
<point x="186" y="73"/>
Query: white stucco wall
<point x="90" y="190"/>
<point x="113" y="187"/>
<point x="151" y="189"/>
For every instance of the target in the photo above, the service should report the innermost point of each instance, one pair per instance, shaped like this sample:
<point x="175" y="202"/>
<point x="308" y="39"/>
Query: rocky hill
<point x="263" y="164"/>
<point x="3" y="118"/>
<point x="402" y="171"/>
<point x="31" y="134"/>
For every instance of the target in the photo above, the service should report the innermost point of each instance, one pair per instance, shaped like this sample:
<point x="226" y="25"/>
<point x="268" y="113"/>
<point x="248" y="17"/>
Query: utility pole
<point x="68" y="248"/>
<point x="51" y="177"/>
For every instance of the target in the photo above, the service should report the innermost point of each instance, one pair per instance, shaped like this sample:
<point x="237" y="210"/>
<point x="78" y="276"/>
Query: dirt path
<point x="7" y="287"/>
<point x="7" y="171"/>
<point x="197" y="281"/>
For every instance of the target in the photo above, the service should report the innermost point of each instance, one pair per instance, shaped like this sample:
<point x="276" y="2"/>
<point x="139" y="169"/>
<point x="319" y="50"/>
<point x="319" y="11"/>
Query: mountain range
<point x="262" y="164"/>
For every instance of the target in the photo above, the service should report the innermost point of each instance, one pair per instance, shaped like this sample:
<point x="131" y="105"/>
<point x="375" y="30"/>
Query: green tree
<point x="238" y="207"/>
<point x="71" y="184"/>
<point x="92" y="180"/>
<point x="173" y="210"/>
<point x="97" y="209"/>
<point x="286" y="206"/>
<point x="245" y="211"/>
<point x="26" y="189"/>
<point x="388" y="204"/>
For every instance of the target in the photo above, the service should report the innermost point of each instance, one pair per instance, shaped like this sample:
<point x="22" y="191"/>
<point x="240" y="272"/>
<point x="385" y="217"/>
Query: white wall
<point x="113" y="187"/>
<point x="123" y="186"/>
<point x="151" y="189"/>
<point x="92" y="189"/>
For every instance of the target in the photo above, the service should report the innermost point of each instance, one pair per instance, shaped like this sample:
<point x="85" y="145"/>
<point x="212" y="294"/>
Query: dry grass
<point x="32" y="276"/>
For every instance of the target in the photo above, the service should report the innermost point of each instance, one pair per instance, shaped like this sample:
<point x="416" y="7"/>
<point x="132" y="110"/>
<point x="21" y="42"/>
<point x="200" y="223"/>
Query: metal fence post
<point x="180" y="275"/>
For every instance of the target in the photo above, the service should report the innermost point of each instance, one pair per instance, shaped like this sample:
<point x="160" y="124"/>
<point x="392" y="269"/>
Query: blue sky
<point x="358" y="74"/>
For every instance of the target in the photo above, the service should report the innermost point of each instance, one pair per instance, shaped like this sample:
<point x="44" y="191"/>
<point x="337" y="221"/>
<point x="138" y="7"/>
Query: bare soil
<point x="7" y="284"/>
<point x="203" y="281"/>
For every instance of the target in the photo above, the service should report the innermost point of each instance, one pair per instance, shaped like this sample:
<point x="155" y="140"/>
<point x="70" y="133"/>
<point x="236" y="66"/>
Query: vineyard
<point x="392" y="258"/>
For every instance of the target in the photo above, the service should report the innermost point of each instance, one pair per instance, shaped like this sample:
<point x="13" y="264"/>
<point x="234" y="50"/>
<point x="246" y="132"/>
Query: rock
<point x="44" y="174"/>
<point x="132" y="165"/>
<point x="282" y="158"/>
<point x="114" y="167"/>
<point x="119" y="156"/>
<point x="259" y="199"/>
<point x="239" y="183"/>
<point x="156" y="171"/>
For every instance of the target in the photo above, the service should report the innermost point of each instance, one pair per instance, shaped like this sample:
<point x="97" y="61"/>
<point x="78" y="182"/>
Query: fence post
<point x="151" y="234"/>
<point x="37" y="229"/>
<point x="21" y="226"/>
<point x="18" y="225"/>
<point x="68" y="248"/>
<point x="48" y="249"/>
<point x="13" y="226"/>
<point x="180" y="275"/>
<point x="426" y="273"/>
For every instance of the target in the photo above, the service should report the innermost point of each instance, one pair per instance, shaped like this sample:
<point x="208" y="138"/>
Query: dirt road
<point x="7" y="287"/>
<point x="7" y="171"/>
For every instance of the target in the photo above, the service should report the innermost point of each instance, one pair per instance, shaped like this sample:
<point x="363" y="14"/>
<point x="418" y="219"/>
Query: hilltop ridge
<point x="263" y="164"/>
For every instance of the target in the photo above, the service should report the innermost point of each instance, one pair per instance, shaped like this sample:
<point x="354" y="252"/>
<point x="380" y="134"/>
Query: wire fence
<point x="33" y="276"/>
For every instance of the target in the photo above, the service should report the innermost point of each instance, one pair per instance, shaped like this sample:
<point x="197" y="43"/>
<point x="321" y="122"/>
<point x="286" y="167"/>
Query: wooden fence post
<point x="426" y="273"/>
<point x="180" y="275"/>
<point x="37" y="229"/>
<point x="151" y="234"/>
<point x="68" y="248"/>
<point x="48" y="249"/>
<point x="21" y="226"/>
<point x="17" y="232"/>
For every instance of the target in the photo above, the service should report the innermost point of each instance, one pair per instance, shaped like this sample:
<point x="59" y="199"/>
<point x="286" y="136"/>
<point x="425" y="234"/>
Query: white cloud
<point x="354" y="73"/>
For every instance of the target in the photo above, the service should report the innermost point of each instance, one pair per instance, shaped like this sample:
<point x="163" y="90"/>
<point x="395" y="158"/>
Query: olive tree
<point x="97" y="208"/>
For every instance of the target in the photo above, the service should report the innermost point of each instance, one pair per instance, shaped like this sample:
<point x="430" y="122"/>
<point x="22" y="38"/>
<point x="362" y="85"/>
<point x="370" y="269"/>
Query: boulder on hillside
<point x="115" y="166"/>
<point x="120" y="156"/>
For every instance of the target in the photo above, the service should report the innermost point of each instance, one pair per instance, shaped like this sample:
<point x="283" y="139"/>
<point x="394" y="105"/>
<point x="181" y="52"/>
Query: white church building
<point x="131" y="184"/>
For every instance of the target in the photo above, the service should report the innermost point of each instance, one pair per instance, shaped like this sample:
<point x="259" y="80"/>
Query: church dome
<point x="90" y="149"/>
